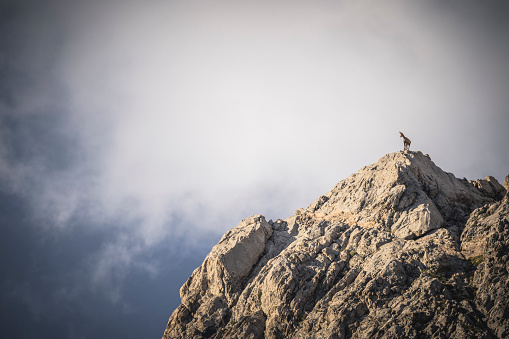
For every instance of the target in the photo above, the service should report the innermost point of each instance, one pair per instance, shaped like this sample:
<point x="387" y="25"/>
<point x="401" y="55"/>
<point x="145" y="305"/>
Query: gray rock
<point x="398" y="249"/>
<point x="485" y="243"/>
<point x="490" y="187"/>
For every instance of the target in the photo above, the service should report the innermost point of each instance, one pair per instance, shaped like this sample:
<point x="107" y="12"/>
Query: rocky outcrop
<point x="398" y="249"/>
<point x="485" y="243"/>
<point x="214" y="287"/>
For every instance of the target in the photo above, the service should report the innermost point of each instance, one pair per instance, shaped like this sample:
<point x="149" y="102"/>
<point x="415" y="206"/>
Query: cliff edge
<point x="400" y="249"/>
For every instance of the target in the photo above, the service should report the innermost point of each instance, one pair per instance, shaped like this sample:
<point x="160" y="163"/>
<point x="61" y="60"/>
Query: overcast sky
<point x="133" y="134"/>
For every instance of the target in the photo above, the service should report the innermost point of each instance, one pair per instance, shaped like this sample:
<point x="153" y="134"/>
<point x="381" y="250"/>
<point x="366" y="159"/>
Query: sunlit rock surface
<point x="400" y="249"/>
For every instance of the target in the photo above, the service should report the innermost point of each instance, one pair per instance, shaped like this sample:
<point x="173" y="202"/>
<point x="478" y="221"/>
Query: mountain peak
<point x="384" y="253"/>
<point x="404" y="192"/>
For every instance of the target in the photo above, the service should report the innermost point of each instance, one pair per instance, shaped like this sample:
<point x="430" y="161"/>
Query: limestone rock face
<point x="214" y="287"/>
<point x="485" y="243"/>
<point x="400" y="249"/>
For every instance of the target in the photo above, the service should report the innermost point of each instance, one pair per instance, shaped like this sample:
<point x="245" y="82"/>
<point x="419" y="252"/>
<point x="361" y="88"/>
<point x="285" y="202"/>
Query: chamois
<point x="406" y="142"/>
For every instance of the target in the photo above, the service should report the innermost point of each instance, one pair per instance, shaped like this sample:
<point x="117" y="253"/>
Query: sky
<point x="133" y="134"/>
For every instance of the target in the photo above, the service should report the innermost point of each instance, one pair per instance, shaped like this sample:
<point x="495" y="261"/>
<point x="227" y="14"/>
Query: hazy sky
<point x="133" y="134"/>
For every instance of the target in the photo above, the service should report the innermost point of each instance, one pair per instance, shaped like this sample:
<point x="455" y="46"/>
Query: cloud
<point x="210" y="99"/>
<point x="167" y="120"/>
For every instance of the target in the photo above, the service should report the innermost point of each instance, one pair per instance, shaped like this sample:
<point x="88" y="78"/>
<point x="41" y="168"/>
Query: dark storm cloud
<point x="48" y="285"/>
<point x="34" y="132"/>
<point x="46" y="290"/>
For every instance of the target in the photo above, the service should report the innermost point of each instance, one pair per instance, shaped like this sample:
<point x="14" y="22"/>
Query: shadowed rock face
<point x="398" y="249"/>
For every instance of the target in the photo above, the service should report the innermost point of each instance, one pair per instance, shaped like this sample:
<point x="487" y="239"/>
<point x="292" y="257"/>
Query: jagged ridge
<point x="384" y="254"/>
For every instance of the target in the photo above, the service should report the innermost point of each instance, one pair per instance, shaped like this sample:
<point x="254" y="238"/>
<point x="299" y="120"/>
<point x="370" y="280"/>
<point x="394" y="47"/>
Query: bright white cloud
<point x="194" y="102"/>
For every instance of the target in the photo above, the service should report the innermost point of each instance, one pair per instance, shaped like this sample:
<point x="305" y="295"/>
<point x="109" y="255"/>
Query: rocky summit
<point x="400" y="249"/>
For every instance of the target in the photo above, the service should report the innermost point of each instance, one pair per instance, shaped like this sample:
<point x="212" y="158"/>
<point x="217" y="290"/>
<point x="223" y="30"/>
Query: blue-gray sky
<point x="133" y="134"/>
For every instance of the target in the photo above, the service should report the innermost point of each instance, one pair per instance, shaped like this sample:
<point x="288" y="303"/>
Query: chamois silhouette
<point x="406" y="142"/>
